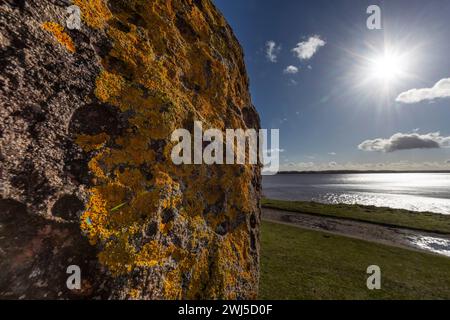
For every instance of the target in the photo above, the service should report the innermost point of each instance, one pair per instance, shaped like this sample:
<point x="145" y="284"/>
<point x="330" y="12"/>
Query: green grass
<point x="301" y="264"/>
<point x="385" y="216"/>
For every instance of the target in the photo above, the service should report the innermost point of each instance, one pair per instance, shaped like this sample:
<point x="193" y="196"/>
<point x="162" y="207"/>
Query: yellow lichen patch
<point x="117" y="255"/>
<point x="96" y="212"/>
<point x="145" y="204"/>
<point x="152" y="254"/>
<point x="90" y="143"/>
<point x="164" y="228"/>
<point x="94" y="12"/>
<point x="96" y="220"/>
<point x="95" y="167"/>
<point x="108" y="86"/>
<point x="116" y="228"/>
<point x="132" y="178"/>
<point x="132" y="49"/>
<point x="171" y="63"/>
<point x="59" y="34"/>
<point x="134" y="294"/>
<point x="135" y="149"/>
<point x="235" y="247"/>
<point x="197" y="265"/>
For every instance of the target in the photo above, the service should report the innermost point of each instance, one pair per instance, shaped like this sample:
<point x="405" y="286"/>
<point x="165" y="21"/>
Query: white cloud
<point x="440" y="90"/>
<point x="332" y="164"/>
<point x="272" y="51"/>
<point x="290" y="70"/>
<point x="406" y="141"/>
<point x="306" y="49"/>
<point x="332" y="153"/>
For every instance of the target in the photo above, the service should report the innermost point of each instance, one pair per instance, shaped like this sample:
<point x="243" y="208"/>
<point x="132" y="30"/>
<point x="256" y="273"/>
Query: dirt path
<point x="400" y="237"/>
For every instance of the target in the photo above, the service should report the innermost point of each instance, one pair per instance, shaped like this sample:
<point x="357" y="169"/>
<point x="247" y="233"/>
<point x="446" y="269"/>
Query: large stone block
<point x="86" y="174"/>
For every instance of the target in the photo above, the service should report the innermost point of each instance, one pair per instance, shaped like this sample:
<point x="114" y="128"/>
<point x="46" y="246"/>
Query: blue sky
<point x="339" y="111"/>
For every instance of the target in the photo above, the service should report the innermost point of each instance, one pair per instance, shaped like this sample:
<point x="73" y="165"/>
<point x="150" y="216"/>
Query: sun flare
<point x="387" y="67"/>
<point x="381" y="71"/>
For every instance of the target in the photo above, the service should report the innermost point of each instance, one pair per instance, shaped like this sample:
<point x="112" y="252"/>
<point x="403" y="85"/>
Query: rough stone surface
<point x="86" y="175"/>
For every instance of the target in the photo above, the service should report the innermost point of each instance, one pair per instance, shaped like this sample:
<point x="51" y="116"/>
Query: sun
<point x="381" y="71"/>
<point x="386" y="67"/>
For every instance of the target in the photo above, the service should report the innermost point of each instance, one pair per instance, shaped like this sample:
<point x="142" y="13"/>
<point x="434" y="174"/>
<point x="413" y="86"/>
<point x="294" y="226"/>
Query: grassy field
<point x="385" y="216"/>
<point x="300" y="264"/>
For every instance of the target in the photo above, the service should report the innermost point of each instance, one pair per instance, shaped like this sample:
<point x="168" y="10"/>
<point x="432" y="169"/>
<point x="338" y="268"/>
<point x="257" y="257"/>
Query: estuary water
<point x="411" y="191"/>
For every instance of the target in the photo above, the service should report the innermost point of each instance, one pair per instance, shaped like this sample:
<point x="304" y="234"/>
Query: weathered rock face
<point x="86" y="174"/>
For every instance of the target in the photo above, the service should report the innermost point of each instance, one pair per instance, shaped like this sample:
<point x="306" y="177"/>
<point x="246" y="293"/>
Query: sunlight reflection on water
<point x="437" y="245"/>
<point x="411" y="191"/>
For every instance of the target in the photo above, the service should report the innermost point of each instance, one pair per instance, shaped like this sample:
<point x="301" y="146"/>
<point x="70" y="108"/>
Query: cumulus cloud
<point x="272" y="51"/>
<point x="448" y="161"/>
<point x="306" y="49"/>
<point x="406" y="141"/>
<point x="440" y="90"/>
<point x="332" y="164"/>
<point x="291" y="70"/>
<point x="332" y="153"/>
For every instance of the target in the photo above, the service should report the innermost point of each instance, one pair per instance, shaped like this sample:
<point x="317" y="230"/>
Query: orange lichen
<point x="59" y="34"/>
<point x="164" y="77"/>
<point x="94" y="12"/>
<point x="90" y="143"/>
<point x="108" y="86"/>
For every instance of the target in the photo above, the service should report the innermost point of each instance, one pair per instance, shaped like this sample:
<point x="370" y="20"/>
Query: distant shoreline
<point x="359" y="171"/>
